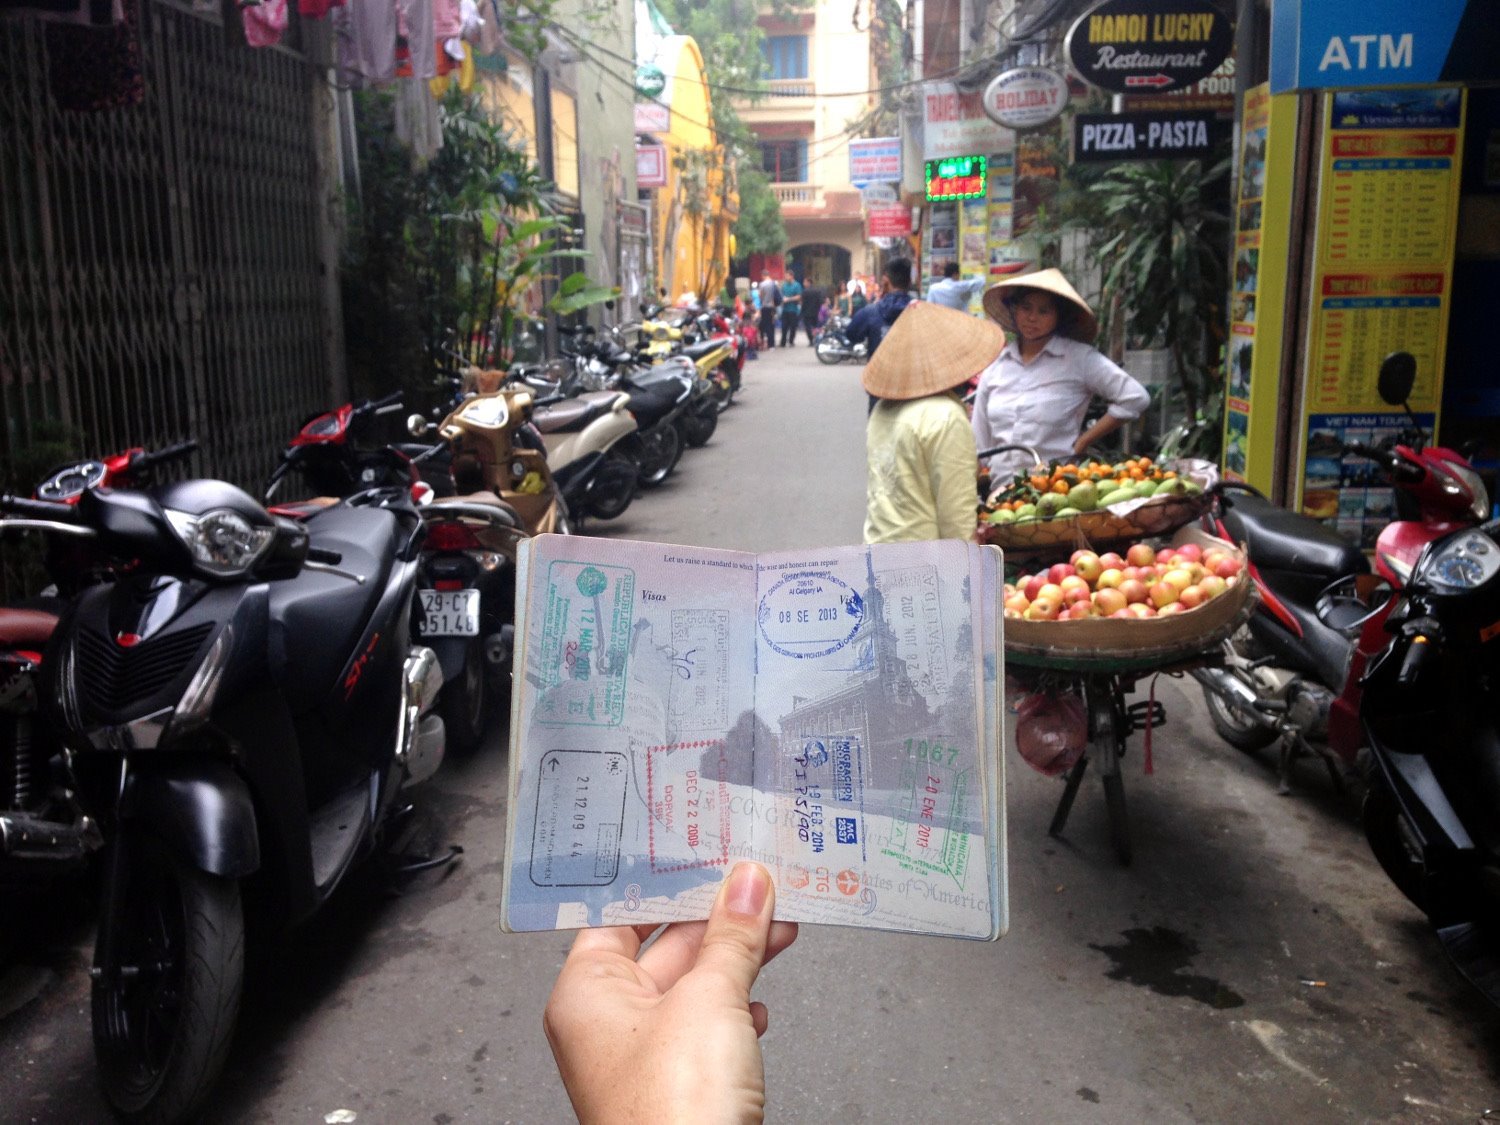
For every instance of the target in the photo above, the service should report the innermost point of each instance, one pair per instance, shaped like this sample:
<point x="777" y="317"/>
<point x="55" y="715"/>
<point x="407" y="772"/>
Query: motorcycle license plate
<point x="449" y="613"/>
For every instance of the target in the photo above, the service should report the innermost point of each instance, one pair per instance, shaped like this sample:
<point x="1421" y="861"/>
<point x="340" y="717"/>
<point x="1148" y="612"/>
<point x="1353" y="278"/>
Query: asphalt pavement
<point x="1253" y="964"/>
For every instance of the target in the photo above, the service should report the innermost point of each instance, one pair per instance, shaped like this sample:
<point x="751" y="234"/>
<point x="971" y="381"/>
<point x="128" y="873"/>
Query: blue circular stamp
<point x="810" y="613"/>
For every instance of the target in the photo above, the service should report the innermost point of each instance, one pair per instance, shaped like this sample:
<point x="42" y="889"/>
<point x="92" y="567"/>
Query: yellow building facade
<point x="695" y="210"/>
<point x="818" y="75"/>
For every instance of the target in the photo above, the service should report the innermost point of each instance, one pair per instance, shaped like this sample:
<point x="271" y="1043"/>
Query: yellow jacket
<point x="922" y="471"/>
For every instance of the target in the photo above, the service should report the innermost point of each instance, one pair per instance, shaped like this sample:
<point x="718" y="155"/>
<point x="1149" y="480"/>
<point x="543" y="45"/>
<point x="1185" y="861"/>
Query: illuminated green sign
<point x="957" y="177"/>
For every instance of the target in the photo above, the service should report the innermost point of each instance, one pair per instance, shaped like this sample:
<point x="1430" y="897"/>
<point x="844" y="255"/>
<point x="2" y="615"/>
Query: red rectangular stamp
<point x="687" y="791"/>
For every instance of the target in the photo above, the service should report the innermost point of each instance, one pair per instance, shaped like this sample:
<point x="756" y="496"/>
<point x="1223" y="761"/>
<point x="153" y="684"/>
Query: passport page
<point x="828" y="713"/>
<point x="874" y="790"/>
<point x="632" y="731"/>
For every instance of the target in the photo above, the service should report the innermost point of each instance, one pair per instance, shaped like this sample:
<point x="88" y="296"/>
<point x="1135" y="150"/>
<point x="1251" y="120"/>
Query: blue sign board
<point x="1343" y="44"/>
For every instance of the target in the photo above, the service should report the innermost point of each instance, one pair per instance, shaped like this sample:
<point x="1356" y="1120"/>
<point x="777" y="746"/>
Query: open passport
<point x="831" y="713"/>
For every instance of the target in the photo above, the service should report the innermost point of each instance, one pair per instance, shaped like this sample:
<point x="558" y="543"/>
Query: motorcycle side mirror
<point x="1398" y="372"/>
<point x="416" y="425"/>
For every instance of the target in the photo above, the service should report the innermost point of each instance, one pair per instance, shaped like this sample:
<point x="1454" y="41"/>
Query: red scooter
<point x="1293" y="674"/>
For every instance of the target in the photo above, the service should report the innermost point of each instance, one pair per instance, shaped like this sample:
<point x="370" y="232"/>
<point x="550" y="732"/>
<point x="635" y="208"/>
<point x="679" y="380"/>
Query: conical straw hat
<point x="930" y="349"/>
<point x="1085" y="325"/>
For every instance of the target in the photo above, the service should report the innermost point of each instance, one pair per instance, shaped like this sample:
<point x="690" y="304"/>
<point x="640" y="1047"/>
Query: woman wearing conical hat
<point x="1035" y="394"/>
<point x="921" y="451"/>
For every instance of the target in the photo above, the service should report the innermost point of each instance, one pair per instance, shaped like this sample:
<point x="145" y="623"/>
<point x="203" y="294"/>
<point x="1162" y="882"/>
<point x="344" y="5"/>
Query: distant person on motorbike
<point x="1037" y="391"/>
<point x="770" y="297"/>
<point x="812" y="302"/>
<point x="791" y="310"/>
<point x="952" y="293"/>
<point x="872" y="322"/>
<point x="919" y="447"/>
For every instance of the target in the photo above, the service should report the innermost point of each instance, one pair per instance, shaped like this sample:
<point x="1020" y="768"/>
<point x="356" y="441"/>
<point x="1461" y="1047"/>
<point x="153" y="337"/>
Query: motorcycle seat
<point x="567" y="416"/>
<point x="702" y="348"/>
<point x="505" y="510"/>
<point x="317" y="618"/>
<point x="26" y="628"/>
<point x="1286" y="541"/>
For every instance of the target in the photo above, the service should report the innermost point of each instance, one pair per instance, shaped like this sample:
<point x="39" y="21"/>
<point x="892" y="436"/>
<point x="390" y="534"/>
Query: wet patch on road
<point x="1154" y="958"/>
<point x="1091" y="1096"/>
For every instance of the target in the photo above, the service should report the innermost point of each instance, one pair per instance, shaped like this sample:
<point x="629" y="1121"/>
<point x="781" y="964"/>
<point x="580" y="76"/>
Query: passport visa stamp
<point x="585" y="644"/>
<point x="809" y="613"/>
<point x="580" y="813"/>
<point x="687" y="789"/>
<point x="698" y="696"/>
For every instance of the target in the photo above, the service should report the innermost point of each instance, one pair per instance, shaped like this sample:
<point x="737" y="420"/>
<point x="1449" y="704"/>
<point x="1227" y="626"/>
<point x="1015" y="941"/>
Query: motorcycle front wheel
<point x="696" y="428"/>
<point x="464" y="703"/>
<point x="829" y="351"/>
<point x="663" y="449"/>
<point x="163" y="1014"/>
<point x="614" y="487"/>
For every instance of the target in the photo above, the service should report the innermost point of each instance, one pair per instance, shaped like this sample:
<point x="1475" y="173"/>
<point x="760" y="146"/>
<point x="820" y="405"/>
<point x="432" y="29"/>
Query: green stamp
<point x="584" y="654"/>
<point x="591" y="582"/>
<point x="928" y="837"/>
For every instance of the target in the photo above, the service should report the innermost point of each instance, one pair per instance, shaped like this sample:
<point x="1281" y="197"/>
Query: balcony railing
<point x="791" y="87"/>
<point x="798" y="195"/>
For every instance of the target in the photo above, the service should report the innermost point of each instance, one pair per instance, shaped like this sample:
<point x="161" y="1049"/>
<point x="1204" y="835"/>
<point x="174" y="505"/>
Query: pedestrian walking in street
<point x="1037" y="391"/>
<point x="770" y="297"/>
<point x="922" y="460"/>
<point x="791" y="309"/>
<point x="812" y="301"/>
<point x="870" y="324"/>
<point x="952" y="293"/>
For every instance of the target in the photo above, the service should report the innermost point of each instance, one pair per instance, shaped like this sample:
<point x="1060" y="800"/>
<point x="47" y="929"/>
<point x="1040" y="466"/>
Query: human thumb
<point x="734" y="944"/>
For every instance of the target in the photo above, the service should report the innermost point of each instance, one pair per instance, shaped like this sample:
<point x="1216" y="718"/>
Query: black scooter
<point x="1431" y="715"/>
<point x="242" y="707"/>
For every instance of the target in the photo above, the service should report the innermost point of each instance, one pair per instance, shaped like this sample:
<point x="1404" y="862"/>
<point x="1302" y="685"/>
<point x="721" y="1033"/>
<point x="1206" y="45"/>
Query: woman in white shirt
<point x="1035" y="394"/>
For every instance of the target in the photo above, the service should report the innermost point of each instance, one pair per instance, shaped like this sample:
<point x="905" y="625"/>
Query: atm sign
<point x="957" y="177"/>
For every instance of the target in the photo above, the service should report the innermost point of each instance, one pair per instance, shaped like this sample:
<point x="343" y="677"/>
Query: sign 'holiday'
<point x="1149" y="46"/>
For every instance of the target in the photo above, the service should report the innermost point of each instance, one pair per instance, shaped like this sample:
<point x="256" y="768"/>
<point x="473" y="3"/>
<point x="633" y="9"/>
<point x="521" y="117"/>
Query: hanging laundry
<point x="264" y="20"/>
<point x="416" y="23"/>
<point x="317" y="9"/>
<point x="366" y="34"/>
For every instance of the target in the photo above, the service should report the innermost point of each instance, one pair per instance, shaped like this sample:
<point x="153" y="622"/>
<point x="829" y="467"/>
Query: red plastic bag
<point x="1052" y="732"/>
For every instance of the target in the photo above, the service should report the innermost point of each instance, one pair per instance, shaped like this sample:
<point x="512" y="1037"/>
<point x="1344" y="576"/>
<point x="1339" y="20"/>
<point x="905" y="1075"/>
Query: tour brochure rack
<point x="1101" y="660"/>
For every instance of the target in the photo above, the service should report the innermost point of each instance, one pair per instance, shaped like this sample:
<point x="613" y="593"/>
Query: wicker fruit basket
<point x="1101" y="643"/>
<point x="1132" y="519"/>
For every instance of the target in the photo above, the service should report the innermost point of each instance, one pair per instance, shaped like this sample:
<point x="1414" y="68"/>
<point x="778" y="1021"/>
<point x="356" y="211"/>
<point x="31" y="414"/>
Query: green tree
<point x="442" y="257"/>
<point x="759" y="229"/>
<point x="1158" y="233"/>
<point x="730" y="41"/>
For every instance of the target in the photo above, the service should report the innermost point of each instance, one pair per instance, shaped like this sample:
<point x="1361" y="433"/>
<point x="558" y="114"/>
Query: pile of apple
<point x="1144" y="582"/>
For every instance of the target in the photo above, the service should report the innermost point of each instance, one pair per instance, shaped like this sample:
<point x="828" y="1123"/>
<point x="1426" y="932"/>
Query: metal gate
<point x="161" y="265"/>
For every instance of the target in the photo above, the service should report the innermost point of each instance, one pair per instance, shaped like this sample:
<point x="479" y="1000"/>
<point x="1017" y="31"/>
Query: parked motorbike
<point x="582" y="432"/>
<point x="1294" y="673"/>
<point x="504" y="491"/>
<point x="1430" y="712"/>
<point x="332" y="454"/>
<point x="660" y="395"/>
<point x="833" y="344"/>
<point x="243" y="706"/>
<point x="44" y="832"/>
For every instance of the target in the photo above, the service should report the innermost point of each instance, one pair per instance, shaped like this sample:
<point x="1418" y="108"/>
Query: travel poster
<point x="1382" y="279"/>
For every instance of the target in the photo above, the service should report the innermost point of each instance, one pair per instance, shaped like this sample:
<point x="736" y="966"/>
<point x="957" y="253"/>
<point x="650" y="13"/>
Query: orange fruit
<point x="1061" y="487"/>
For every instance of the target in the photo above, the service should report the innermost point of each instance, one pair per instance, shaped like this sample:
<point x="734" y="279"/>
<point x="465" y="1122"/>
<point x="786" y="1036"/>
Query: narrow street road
<point x="1253" y="965"/>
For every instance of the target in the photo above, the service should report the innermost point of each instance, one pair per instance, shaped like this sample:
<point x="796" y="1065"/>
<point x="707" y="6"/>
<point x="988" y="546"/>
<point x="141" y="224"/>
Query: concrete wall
<point x="605" y="126"/>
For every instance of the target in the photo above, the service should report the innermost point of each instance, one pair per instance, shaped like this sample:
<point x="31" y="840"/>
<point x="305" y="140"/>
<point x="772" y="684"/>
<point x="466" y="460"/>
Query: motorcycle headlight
<point x="222" y="542"/>
<point x="1479" y="508"/>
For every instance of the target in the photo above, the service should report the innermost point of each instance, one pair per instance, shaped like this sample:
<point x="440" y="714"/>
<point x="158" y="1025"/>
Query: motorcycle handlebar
<point x="179" y="451"/>
<point x="391" y="402"/>
<point x="38" y="509"/>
